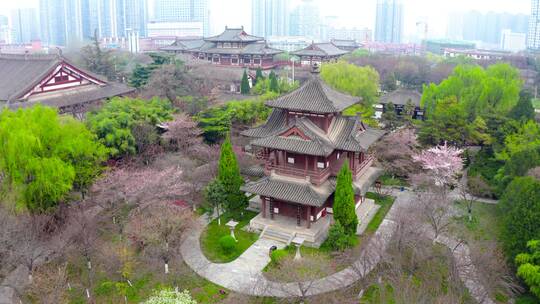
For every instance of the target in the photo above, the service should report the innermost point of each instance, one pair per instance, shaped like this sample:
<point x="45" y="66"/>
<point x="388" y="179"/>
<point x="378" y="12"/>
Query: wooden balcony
<point x="316" y="177"/>
<point x="363" y="167"/>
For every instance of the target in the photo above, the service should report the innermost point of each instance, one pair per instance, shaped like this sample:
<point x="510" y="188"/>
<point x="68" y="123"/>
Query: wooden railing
<point x="317" y="177"/>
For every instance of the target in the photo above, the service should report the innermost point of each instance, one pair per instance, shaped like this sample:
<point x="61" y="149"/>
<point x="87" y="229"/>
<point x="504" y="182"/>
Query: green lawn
<point x="211" y="235"/>
<point x="386" y="203"/>
<point x="389" y="180"/>
<point x="485" y="224"/>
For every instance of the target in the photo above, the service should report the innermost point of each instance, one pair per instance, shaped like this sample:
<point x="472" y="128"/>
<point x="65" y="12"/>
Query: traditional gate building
<point x="304" y="144"/>
<point x="317" y="53"/>
<point x="51" y="80"/>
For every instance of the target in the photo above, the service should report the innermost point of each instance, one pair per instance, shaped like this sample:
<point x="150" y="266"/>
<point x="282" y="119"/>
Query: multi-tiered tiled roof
<point x="292" y="112"/>
<point x="344" y="133"/>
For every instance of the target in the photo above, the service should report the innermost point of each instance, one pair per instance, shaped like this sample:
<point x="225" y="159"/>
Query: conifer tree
<point x="274" y="85"/>
<point x="229" y="176"/>
<point x="344" y="205"/>
<point x="244" y="86"/>
<point x="524" y="109"/>
<point x="259" y="75"/>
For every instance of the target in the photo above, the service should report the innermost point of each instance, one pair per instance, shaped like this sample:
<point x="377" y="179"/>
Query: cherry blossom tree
<point x="442" y="162"/>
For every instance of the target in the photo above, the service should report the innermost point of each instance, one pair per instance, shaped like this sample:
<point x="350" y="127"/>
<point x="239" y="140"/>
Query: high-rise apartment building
<point x="61" y="21"/>
<point x="4" y="29"/>
<point x="270" y="18"/>
<point x="183" y="11"/>
<point x="533" y="35"/>
<point x="389" y="21"/>
<point x="24" y="25"/>
<point x="485" y="27"/>
<point x="305" y="20"/>
<point x="118" y="18"/>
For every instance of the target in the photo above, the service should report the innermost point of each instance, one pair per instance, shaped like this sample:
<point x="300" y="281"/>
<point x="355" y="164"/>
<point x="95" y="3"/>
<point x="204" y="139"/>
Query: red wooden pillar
<point x="308" y="216"/>
<point x="263" y="201"/>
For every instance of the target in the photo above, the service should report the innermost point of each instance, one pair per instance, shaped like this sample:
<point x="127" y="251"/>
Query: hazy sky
<point x="359" y="13"/>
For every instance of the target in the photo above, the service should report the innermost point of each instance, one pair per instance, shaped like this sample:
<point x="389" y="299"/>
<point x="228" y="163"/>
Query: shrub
<point x="227" y="243"/>
<point x="113" y="123"/>
<point x="278" y="255"/>
<point x="337" y="238"/>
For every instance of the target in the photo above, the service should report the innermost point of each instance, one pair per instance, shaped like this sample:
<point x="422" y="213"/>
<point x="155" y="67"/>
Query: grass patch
<point x="484" y="226"/>
<point x="213" y="232"/>
<point x="386" y="203"/>
<point x="389" y="180"/>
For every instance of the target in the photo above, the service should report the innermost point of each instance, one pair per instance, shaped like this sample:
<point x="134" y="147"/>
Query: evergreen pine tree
<point x="524" y="109"/>
<point x="389" y="117"/>
<point x="259" y="75"/>
<point x="244" y="86"/>
<point x="274" y="85"/>
<point x="344" y="205"/>
<point x="229" y="176"/>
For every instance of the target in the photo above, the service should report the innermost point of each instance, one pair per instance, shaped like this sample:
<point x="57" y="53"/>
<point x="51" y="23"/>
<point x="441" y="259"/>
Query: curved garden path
<point x="244" y="275"/>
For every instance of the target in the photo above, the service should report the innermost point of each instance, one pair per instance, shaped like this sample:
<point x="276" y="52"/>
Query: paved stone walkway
<point x="244" y="275"/>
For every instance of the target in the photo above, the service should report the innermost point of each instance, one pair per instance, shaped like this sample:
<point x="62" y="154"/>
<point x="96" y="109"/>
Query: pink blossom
<point x="442" y="162"/>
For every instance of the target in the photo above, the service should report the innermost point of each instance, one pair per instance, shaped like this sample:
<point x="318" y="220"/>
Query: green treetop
<point x="520" y="212"/>
<point x="344" y="204"/>
<point x="259" y="75"/>
<point x="524" y="109"/>
<point x="274" y="84"/>
<point x="43" y="156"/>
<point x="529" y="267"/>
<point x="244" y="86"/>
<point x="229" y="176"/>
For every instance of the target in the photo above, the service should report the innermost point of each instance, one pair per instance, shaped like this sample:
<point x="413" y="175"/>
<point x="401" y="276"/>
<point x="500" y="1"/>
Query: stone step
<point x="276" y="235"/>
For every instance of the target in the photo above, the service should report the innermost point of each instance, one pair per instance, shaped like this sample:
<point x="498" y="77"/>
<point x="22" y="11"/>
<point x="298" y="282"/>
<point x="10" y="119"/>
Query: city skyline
<point x="350" y="13"/>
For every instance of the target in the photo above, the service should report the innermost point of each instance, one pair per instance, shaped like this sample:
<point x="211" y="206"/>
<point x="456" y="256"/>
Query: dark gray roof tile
<point x="314" y="96"/>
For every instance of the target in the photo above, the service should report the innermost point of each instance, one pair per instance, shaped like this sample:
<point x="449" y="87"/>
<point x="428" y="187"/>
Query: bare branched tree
<point x="434" y="208"/>
<point x="159" y="229"/>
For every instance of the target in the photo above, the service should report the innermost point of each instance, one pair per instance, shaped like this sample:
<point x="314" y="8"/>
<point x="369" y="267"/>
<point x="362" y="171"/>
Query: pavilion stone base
<point x="365" y="213"/>
<point x="284" y="229"/>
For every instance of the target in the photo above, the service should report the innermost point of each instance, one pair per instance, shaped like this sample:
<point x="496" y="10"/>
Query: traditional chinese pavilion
<point x="233" y="47"/>
<point x="317" y="53"/>
<point x="304" y="144"/>
<point x="51" y="80"/>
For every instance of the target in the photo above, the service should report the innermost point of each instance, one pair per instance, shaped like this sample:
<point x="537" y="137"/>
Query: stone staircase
<point x="272" y="233"/>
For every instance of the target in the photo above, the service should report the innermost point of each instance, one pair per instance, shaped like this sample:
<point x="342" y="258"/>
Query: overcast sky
<point x="359" y="13"/>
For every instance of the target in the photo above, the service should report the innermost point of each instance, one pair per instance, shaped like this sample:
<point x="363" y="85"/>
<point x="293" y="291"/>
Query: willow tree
<point x="344" y="204"/>
<point x="43" y="156"/>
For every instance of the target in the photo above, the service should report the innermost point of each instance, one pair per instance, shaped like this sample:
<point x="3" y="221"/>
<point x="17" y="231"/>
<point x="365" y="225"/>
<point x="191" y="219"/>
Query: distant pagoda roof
<point x="344" y="133"/>
<point x="346" y="43"/>
<point x="314" y="96"/>
<point x="401" y="97"/>
<point x="184" y="45"/>
<point x="234" y="35"/>
<point x="22" y="75"/>
<point x="326" y="49"/>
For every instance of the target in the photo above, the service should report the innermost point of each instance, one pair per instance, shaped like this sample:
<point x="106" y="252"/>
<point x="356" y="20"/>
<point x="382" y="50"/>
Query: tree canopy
<point x="529" y="266"/>
<point x="244" y="85"/>
<point x="520" y="212"/>
<point x="229" y="176"/>
<point x="44" y="156"/>
<point x="344" y="204"/>
<point x="354" y="80"/>
<point x="114" y="122"/>
<point x="477" y="90"/>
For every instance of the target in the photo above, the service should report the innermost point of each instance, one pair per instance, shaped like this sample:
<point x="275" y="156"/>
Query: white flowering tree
<point x="169" y="296"/>
<point x="442" y="162"/>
